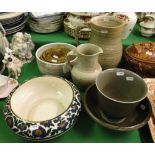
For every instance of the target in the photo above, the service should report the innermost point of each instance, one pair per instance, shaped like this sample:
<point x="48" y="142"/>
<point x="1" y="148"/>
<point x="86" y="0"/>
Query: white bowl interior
<point x="41" y="98"/>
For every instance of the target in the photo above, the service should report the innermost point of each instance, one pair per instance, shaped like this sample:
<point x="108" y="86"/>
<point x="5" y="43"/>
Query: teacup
<point x="119" y="91"/>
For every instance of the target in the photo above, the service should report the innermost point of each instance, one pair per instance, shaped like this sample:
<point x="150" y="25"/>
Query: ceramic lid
<point x="143" y="51"/>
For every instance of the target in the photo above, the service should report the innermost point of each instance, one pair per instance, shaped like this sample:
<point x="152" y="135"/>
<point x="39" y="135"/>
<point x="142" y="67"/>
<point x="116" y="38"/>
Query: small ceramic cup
<point x="119" y="91"/>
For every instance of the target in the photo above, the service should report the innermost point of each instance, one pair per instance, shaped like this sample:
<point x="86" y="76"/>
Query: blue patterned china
<point x="43" y="108"/>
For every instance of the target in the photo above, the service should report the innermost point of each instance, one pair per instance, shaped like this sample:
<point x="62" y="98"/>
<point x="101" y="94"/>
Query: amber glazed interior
<point x="41" y="98"/>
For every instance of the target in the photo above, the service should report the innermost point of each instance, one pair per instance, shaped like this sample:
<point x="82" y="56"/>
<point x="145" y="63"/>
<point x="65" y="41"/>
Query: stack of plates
<point x="12" y="21"/>
<point x="43" y="22"/>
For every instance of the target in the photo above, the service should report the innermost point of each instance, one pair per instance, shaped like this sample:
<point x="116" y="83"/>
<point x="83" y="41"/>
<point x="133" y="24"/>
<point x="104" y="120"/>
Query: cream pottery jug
<point x="86" y="68"/>
<point x="106" y="33"/>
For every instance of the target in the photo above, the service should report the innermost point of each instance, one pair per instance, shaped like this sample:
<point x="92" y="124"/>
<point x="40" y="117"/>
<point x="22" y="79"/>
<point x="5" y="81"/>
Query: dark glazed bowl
<point x="119" y="91"/>
<point x="135" y="120"/>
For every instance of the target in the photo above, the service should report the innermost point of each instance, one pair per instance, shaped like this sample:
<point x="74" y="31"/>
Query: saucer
<point x="12" y="83"/>
<point x="137" y="119"/>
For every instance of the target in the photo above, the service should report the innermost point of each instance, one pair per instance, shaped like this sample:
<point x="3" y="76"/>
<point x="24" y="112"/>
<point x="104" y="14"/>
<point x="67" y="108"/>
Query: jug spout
<point x="89" y="50"/>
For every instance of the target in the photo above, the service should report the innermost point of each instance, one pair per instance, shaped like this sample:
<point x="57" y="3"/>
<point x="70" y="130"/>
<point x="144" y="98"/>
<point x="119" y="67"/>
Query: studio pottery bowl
<point x="120" y="91"/>
<point x="140" y="58"/>
<point x="49" y="68"/>
<point x="43" y="108"/>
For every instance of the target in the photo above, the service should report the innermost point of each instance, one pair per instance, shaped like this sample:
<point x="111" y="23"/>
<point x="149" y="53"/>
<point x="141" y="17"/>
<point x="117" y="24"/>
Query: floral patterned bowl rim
<point x="10" y="96"/>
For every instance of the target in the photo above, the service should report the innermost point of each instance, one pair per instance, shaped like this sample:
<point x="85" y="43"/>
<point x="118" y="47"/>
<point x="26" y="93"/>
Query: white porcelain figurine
<point x="12" y="63"/>
<point x="22" y="46"/>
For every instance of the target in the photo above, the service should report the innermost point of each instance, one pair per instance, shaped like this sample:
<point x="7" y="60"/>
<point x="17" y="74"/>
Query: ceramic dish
<point x="43" y="15"/>
<point x="53" y="68"/>
<point x="116" y="91"/>
<point x="15" y="29"/>
<point x="14" y="23"/>
<point x="49" y="107"/>
<point x="12" y="20"/>
<point x="6" y="88"/>
<point x="140" y="58"/>
<point x="46" y="19"/>
<point x="137" y="119"/>
<point x="45" y="27"/>
<point x="10" y="15"/>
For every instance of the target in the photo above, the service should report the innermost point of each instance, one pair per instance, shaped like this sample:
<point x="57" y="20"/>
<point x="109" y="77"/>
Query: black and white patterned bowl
<point x="43" y="108"/>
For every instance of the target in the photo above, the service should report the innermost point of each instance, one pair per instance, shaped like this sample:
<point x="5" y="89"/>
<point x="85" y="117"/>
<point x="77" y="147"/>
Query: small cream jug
<point x="86" y="68"/>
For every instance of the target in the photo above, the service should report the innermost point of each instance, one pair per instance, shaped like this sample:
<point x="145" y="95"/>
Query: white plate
<point x="7" y="16"/>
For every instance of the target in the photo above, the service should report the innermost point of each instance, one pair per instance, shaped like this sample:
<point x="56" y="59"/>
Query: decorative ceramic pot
<point x="86" y="68"/>
<point x="106" y="33"/>
<point x="43" y="108"/>
<point x="130" y="19"/>
<point x="140" y="58"/>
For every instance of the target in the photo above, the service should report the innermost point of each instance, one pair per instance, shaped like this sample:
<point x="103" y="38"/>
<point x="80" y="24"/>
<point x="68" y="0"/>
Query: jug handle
<point x="68" y="64"/>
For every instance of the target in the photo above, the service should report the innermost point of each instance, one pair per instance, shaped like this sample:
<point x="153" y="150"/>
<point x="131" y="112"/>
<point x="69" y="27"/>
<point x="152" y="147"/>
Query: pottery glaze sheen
<point x="107" y="33"/>
<point x="87" y="68"/>
<point x="39" y="126"/>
